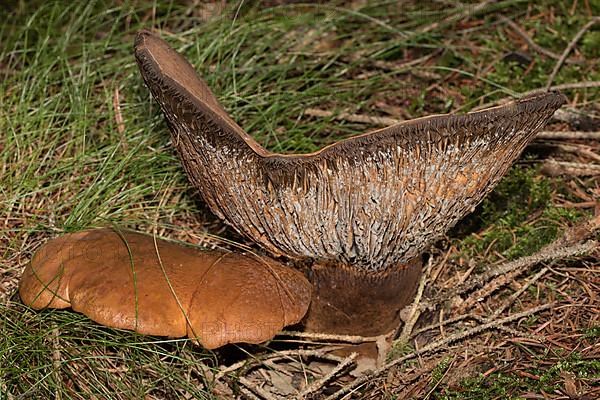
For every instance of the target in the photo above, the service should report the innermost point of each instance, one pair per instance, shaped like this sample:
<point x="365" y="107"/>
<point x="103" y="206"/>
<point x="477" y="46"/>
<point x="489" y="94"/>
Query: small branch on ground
<point x="395" y="67"/>
<point x="436" y="346"/>
<point x="415" y="309"/>
<point x="568" y="86"/>
<point x="548" y="253"/>
<point x="318" y="353"/>
<point x="533" y="45"/>
<point x="248" y="394"/>
<point x="468" y="11"/>
<point x="570" y="47"/>
<point x="569" y="245"/>
<point x="388" y="121"/>
<point x="562" y="86"/>
<point x="119" y="116"/>
<point x="518" y="293"/>
<point x="557" y="168"/>
<point x="56" y="362"/>
<point x="255" y="389"/>
<point x="569" y="135"/>
<point x="577" y="149"/>
<point x="580" y="120"/>
<point x="363" y="119"/>
<point x="487" y="290"/>
<point x="318" y="385"/>
<point x="353" y="339"/>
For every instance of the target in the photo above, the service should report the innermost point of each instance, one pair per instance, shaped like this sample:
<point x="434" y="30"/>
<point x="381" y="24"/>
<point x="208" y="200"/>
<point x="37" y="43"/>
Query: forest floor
<point x="510" y="306"/>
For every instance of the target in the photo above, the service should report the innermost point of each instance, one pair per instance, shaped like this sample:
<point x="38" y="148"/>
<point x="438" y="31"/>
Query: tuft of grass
<point x="60" y="354"/>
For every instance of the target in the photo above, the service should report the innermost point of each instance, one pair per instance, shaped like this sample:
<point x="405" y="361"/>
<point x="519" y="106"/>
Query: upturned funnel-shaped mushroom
<point x="122" y="280"/>
<point x="363" y="209"/>
<point x="370" y="201"/>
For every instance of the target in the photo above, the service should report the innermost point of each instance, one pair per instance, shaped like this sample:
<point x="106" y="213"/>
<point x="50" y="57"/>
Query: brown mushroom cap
<point x="372" y="201"/>
<point x="125" y="280"/>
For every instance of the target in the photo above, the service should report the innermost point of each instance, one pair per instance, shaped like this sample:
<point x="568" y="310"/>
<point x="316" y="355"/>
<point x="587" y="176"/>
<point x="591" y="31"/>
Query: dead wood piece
<point x="468" y="11"/>
<point x="487" y="290"/>
<point x="354" y="339"/>
<point x="562" y="86"/>
<point x="285" y="354"/>
<point x="558" y="168"/>
<point x="571" y="243"/>
<point x="577" y="149"/>
<point x="531" y="43"/>
<point x="559" y="249"/>
<point x="415" y="310"/>
<point x="363" y="119"/>
<point x="518" y="293"/>
<point x="255" y="389"/>
<point x="318" y="385"/>
<point x="436" y="346"/>
<point x="570" y="47"/>
<point x="569" y="135"/>
<point x="117" y="111"/>
<point x="583" y="120"/>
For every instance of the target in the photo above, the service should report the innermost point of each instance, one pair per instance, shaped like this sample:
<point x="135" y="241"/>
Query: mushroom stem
<point x="350" y="301"/>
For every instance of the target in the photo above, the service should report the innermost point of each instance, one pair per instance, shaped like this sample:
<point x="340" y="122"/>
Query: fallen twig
<point x="582" y="120"/>
<point x="363" y="119"/>
<point x="249" y="394"/>
<point x="388" y="121"/>
<point x="533" y="45"/>
<point x="562" y="86"/>
<point x="56" y="362"/>
<point x="550" y="252"/>
<point x="556" y="168"/>
<point x="519" y="292"/>
<point x="435" y="346"/>
<point x="319" y="353"/>
<point x="257" y="390"/>
<point x="569" y="245"/>
<point x="354" y="339"/>
<point x="567" y="86"/>
<point x="570" y="47"/>
<point x="318" y="385"/>
<point x="487" y="290"/>
<point x="577" y="149"/>
<point x="415" y="310"/>
<point x="117" y="110"/>
<point x="585" y="204"/>
<point x="468" y="11"/>
<point x="394" y="66"/>
<point x="569" y="135"/>
<point x="444" y="323"/>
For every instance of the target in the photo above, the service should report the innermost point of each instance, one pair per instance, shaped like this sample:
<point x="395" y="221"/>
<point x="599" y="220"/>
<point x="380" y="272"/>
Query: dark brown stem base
<point x="349" y="301"/>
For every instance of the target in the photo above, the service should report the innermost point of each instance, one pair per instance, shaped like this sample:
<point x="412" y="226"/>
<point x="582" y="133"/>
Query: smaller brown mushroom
<point x="128" y="280"/>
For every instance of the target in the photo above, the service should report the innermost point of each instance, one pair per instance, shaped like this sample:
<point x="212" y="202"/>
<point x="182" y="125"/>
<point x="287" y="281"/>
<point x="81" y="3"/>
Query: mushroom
<point x="127" y="280"/>
<point x="356" y="216"/>
<point x="362" y="210"/>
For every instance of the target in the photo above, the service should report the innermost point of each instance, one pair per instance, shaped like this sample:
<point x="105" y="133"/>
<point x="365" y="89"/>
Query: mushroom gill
<point x="364" y="209"/>
<point x="128" y="280"/>
<point x="371" y="201"/>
